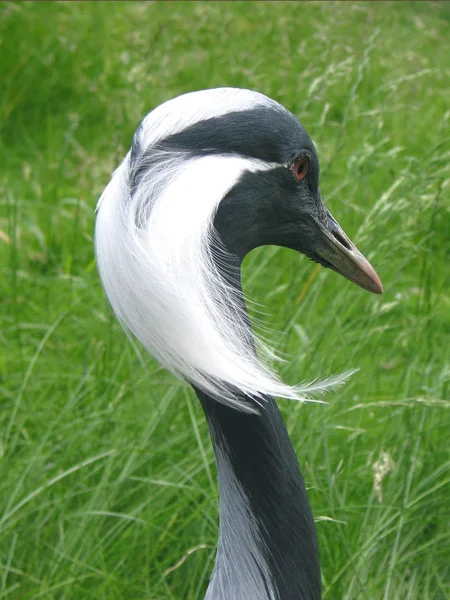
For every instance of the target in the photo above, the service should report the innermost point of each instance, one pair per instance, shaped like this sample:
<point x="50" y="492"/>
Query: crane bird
<point x="210" y="176"/>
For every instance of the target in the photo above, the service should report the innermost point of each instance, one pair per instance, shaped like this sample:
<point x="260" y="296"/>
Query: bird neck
<point x="267" y="544"/>
<point x="267" y="539"/>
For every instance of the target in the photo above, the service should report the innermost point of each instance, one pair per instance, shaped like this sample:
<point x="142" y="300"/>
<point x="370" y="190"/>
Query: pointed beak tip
<point x="375" y="286"/>
<point x="380" y="287"/>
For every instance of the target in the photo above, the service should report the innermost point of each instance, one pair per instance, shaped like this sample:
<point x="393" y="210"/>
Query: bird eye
<point x="300" y="168"/>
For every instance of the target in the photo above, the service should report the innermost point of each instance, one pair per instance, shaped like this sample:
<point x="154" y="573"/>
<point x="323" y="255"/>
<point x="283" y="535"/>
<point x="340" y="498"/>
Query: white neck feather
<point x="153" y="248"/>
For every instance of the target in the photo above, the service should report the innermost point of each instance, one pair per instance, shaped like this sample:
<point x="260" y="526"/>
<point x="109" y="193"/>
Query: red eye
<point x="300" y="168"/>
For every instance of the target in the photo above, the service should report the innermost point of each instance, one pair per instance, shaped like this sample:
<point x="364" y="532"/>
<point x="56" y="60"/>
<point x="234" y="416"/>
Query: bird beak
<point x="343" y="257"/>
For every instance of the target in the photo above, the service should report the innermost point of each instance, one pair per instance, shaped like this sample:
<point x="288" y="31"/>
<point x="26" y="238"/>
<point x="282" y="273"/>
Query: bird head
<point x="281" y="203"/>
<point x="210" y="176"/>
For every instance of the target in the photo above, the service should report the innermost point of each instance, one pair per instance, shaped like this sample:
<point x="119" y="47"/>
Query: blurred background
<point x="107" y="486"/>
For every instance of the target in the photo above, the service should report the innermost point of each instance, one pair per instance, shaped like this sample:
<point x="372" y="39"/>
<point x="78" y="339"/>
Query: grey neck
<point x="267" y="546"/>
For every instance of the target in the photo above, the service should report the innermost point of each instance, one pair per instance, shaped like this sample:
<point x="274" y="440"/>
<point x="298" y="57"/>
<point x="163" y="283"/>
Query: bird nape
<point x="210" y="176"/>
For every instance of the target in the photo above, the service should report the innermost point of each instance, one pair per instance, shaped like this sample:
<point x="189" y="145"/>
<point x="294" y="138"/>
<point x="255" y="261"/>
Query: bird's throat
<point x="267" y="546"/>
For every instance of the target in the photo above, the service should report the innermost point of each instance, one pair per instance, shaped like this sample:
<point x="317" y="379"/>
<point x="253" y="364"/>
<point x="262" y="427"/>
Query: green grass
<point x="107" y="486"/>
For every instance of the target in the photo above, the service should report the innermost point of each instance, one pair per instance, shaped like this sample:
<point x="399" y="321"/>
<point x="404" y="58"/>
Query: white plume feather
<point x="153" y="249"/>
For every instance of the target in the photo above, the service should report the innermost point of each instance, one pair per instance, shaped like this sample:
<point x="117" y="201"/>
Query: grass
<point x="107" y="486"/>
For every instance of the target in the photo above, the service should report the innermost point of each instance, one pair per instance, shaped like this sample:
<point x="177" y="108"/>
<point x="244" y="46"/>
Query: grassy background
<point x="107" y="486"/>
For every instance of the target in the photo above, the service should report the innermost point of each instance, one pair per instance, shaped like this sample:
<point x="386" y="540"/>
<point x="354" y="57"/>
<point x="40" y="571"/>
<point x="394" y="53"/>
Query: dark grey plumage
<point x="267" y="540"/>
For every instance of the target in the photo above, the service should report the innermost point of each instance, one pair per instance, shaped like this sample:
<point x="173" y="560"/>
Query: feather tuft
<point x="153" y="241"/>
